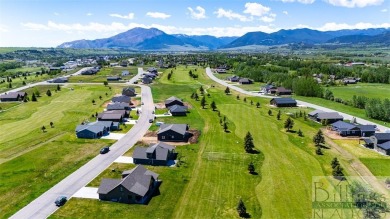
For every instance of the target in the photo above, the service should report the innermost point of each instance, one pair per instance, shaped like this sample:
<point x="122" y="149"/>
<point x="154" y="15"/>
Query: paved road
<point x="44" y="206"/>
<point x="44" y="82"/>
<point x="345" y="115"/>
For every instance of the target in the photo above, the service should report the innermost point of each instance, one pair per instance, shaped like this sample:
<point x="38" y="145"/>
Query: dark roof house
<point x="13" y="96"/>
<point x="118" y="106"/>
<point x="136" y="186"/>
<point x="157" y="154"/>
<point x="233" y="78"/>
<point x="331" y="117"/>
<point x="113" y="78"/>
<point x="128" y="91"/>
<point x="178" y="110"/>
<point x="384" y="148"/>
<point x="147" y="80"/>
<point x="173" y="101"/>
<point x="173" y="132"/>
<point x="59" y="80"/>
<point x="283" y="91"/>
<point x="245" y="81"/>
<point x="91" y="131"/>
<point x="121" y="99"/>
<point x="283" y="102"/>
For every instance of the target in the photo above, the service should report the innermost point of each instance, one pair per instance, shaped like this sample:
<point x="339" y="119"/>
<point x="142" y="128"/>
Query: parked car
<point x="104" y="150"/>
<point x="150" y="120"/>
<point x="61" y="200"/>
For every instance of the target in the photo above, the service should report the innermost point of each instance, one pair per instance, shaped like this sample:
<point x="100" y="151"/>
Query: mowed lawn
<point x="102" y="75"/>
<point x="370" y="90"/>
<point x="215" y="174"/>
<point x="32" y="161"/>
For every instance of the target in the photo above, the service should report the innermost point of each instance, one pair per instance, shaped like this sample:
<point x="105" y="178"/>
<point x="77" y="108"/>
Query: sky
<point x="48" y="23"/>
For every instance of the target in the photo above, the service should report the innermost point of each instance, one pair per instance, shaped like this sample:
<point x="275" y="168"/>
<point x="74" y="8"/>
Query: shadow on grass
<point x="254" y="151"/>
<point x="254" y="173"/>
<point x="245" y="215"/>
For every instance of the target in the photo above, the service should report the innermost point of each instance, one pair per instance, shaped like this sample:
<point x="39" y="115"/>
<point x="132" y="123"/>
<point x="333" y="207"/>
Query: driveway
<point x="87" y="192"/>
<point x="113" y="136"/>
<point x="124" y="159"/>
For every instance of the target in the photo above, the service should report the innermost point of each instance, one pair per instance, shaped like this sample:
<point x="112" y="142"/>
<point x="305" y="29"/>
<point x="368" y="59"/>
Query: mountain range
<point x="154" y="39"/>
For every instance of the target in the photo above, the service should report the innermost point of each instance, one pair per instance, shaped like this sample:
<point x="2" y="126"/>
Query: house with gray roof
<point x="147" y="80"/>
<point x="129" y="91"/>
<point x="113" y="78"/>
<point x="137" y="186"/>
<point x="121" y="99"/>
<point x="173" y="132"/>
<point x="157" y="154"/>
<point x="118" y="106"/>
<point x="173" y="101"/>
<point x="283" y="102"/>
<point x="177" y="110"/>
<point x="13" y="96"/>
<point x="379" y="142"/>
<point x="245" y="81"/>
<point x="91" y="131"/>
<point x="331" y="117"/>
<point x="233" y="78"/>
<point x="59" y="80"/>
<point x="107" y="116"/>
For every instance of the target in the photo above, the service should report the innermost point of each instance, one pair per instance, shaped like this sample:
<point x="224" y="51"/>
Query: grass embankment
<point x="32" y="161"/>
<point x="215" y="174"/>
<point x="102" y="75"/>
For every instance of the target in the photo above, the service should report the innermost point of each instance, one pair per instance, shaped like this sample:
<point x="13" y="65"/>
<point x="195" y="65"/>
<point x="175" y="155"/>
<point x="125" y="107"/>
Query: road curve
<point x="345" y="115"/>
<point x="43" y="206"/>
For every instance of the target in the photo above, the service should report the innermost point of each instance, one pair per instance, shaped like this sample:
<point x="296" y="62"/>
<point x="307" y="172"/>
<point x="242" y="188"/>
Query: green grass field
<point x="362" y="89"/>
<point x="101" y="76"/>
<point x="215" y="176"/>
<point x="24" y="172"/>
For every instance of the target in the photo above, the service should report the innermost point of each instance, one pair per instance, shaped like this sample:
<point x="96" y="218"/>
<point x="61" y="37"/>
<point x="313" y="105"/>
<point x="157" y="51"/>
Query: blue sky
<point x="48" y="23"/>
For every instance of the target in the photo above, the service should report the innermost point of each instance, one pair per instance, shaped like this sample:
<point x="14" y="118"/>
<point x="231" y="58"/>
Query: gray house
<point x="118" y="106"/>
<point x="59" y="80"/>
<point x="113" y="78"/>
<point x="128" y="91"/>
<point x="173" y="132"/>
<point x="245" y="81"/>
<point x="91" y="131"/>
<point x="173" y="101"/>
<point x="233" y="78"/>
<point x="384" y="148"/>
<point x="283" y="102"/>
<point x="177" y="110"/>
<point x="331" y="117"/>
<point x="121" y="99"/>
<point x="147" y="80"/>
<point x="13" y="96"/>
<point x="158" y="154"/>
<point x="136" y="186"/>
<point x="115" y="117"/>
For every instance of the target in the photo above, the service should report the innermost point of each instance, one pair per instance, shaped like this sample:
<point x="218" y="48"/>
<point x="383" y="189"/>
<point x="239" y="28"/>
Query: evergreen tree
<point x="245" y="99"/>
<point x="278" y="115"/>
<point x="43" y="128"/>
<point x="270" y="112"/>
<point x="289" y="124"/>
<point x="48" y="93"/>
<point x="58" y="87"/>
<point x="33" y="97"/>
<point x="248" y="143"/>
<point x="238" y="97"/>
<point x="338" y="173"/>
<point x="251" y="168"/>
<point x="201" y="90"/>
<point x="93" y="102"/>
<point x="241" y="209"/>
<point x="213" y="105"/>
<point x="251" y="102"/>
<point x="51" y="124"/>
<point x="318" y="150"/>
<point x="300" y="134"/>
<point x="257" y="104"/>
<point x="227" y="90"/>
<point x="319" y="139"/>
<point x="203" y="102"/>
<point x="225" y="126"/>
<point x="334" y="163"/>
<point x="105" y="83"/>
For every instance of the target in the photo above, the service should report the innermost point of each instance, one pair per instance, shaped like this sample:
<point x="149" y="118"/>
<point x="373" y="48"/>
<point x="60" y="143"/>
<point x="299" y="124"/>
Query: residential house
<point x="367" y="130"/>
<point x="173" y="132"/>
<point x="345" y="129"/>
<point x="329" y="117"/>
<point x="121" y="99"/>
<point x="245" y="81"/>
<point x="125" y="73"/>
<point x="313" y="114"/>
<point x="147" y="80"/>
<point x="152" y="70"/>
<point x="91" y="131"/>
<point x="91" y="71"/>
<point x="220" y="70"/>
<point x="283" y="102"/>
<point x="118" y="106"/>
<point x="233" y="78"/>
<point x="59" y="80"/>
<point x="13" y="96"/>
<point x="380" y="142"/>
<point x="136" y="186"/>
<point x="115" y="117"/>
<point x="129" y="91"/>
<point x="173" y="101"/>
<point x="113" y="78"/>
<point x="123" y="63"/>
<point x="283" y="91"/>
<point x="157" y="154"/>
<point x="269" y="89"/>
<point x="178" y="110"/>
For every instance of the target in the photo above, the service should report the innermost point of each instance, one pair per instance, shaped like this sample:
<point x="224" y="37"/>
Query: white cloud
<point x="130" y="16"/>
<point x="285" y="12"/>
<point x="158" y="15"/>
<point x="269" y="18"/>
<point x="354" y="3"/>
<point x="256" y="9"/>
<point x="231" y="15"/>
<point x="340" y="26"/>
<point x="384" y="10"/>
<point x="200" y="14"/>
<point x="89" y="14"/>
<point x="300" y="1"/>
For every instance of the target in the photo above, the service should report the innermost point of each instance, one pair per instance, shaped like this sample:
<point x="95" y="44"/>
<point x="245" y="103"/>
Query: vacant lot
<point x="361" y="89"/>
<point x="31" y="161"/>
<point x="214" y="175"/>
<point x="102" y="75"/>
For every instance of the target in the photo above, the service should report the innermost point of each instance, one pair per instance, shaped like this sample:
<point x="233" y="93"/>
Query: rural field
<point x="214" y="176"/>
<point x="101" y="76"/>
<point x="24" y="172"/>
<point x="370" y="90"/>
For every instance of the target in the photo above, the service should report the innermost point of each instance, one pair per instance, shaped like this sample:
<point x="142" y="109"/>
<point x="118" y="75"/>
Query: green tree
<point x="203" y="102"/>
<point x="338" y="173"/>
<point x="43" y="128"/>
<point x="196" y="96"/>
<point x="245" y="99"/>
<point x="213" y="105"/>
<point x="278" y="115"/>
<point x="48" y="93"/>
<point x="269" y="112"/>
<point x="105" y="83"/>
<point x="251" y="168"/>
<point x="238" y="97"/>
<point x="248" y="143"/>
<point x="33" y="97"/>
<point x="334" y="163"/>
<point x="201" y="90"/>
<point x="225" y="126"/>
<point x="257" y="104"/>
<point x="58" y="87"/>
<point x="289" y="124"/>
<point x="93" y="102"/>
<point x="319" y="139"/>
<point x="241" y="209"/>
<point x="227" y="90"/>
<point x="51" y="124"/>
<point x="318" y="150"/>
<point x="300" y="134"/>
<point x="251" y="102"/>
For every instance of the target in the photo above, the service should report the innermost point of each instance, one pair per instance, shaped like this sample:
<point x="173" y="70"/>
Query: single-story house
<point x="384" y="148"/>
<point x="220" y="70"/>
<point x="173" y="132"/>
<point x="178" y="110"/>
<point x="283" y="91"/>
<point x="283" y="102"/>
<point x="268" y="88"/>
<point x="345" y="129"/>
<point x="331" y="117"/>
<point x="113" y="78"/>
<point x="91" y="131"/>
<point x="123" y="64"/>
<point x="129" y="91"/>
<point x="118" y="106"/>
<point x="13" y="96"/>
<point x="147" y="80"/>
<point x="121" y="99"/>
<point x="367" y="130"/>
<point x="136" y="186"/>
<point x="313" y="114"/>
<point x="173" y="101"/>
<point x="233" y="78"/>
<point x="349" y="81"/>
<point x="110" y="125"/>
<point x="152" y="70"/>
<point x="377" y="139"/>
<point x="91" y="71"/>
<point x="157" y="154"/>
<point x="59" y="80"/>
<point x="125" y="73"/>
<point x="245" y="81"/>
<point x="115" y="117"/>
